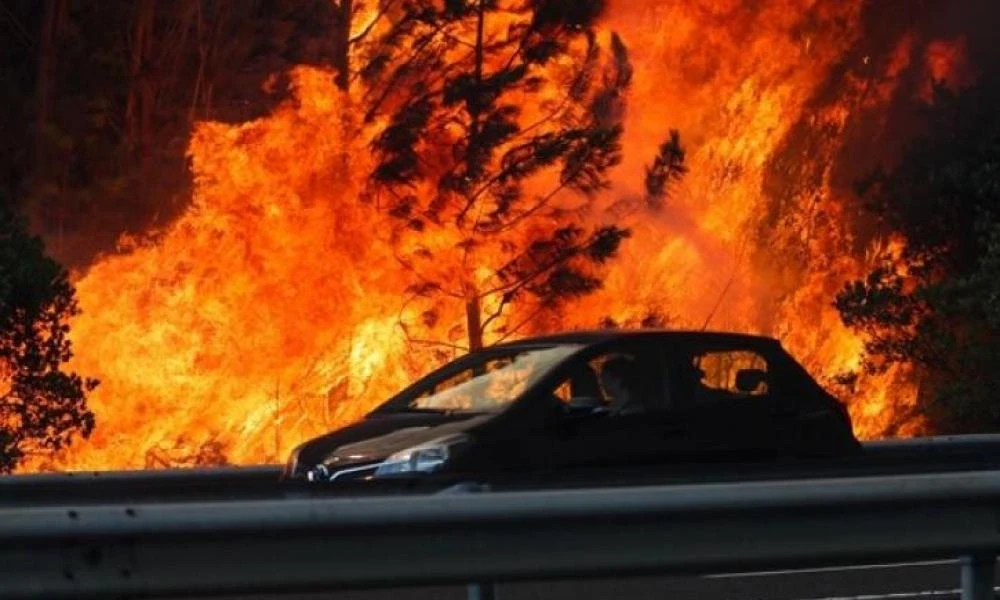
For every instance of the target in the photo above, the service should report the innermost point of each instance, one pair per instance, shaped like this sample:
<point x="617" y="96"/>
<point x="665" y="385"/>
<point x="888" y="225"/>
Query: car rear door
<point x="812" y="422"/>
<point x="727" y="422"/>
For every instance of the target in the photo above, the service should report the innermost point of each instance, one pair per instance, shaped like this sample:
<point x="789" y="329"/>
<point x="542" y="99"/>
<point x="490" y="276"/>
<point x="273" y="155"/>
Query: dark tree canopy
<point x="497" y="114"/>
<point x="41" y="407"/>
<point x="937" y="305"/>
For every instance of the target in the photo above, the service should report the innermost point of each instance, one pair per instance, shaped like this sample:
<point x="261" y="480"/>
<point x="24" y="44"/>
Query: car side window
<point x="622" y="383"/>
<point x="713" y="375"/>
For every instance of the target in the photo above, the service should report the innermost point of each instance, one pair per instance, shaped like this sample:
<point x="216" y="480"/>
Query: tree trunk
<point x="472" y="141"/>
<point x="52" y="20"/>
<point x="474" y="322"/>
<point x="474" y="108"/>
<point x="342" y="60"/>
<point x="473" y="309"/>
<point x="202" y="59"/>
<point x="138" y="105"/>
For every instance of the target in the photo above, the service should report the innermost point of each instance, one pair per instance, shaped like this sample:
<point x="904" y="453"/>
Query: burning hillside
<point x="278" y="305"/>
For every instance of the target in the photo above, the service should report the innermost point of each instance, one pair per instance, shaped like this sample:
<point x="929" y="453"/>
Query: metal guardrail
<point x="933" y="454"/>
<point x="150" y="475"/>
<point x="231" y="486"/>
<point x="290" y="545"/>
<point x="90" y="487"/>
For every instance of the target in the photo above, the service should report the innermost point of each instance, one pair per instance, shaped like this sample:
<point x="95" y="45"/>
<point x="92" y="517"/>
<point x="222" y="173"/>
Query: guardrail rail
<point x="172" y="549"/>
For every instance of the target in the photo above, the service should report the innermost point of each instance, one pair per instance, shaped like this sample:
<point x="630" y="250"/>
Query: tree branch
<point x="496" y="314"/>
<point x="368" y="28"/>
<point x="18" y="28"/>
<point x="399" y="72"/>
<point x="424" y="280"/>
<point x="718" y="301"/>
<point x="516" y="328"/>
<point x="517" y="286"/>
<point x="448" y="345"/>
<point x="531" y="211"/>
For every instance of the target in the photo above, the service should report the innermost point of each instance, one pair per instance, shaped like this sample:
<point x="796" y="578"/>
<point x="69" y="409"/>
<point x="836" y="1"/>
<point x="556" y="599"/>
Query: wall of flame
<point x="269" y="312"/>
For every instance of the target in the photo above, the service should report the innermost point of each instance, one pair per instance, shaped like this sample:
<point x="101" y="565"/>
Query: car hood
<point x="378" y="436"/>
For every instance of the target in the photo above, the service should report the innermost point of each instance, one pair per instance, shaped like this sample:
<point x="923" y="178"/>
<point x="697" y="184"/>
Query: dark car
<point x="590" y="400"/>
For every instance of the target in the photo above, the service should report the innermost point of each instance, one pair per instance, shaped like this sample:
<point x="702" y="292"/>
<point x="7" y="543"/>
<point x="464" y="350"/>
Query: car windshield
<point x="489" y="384"/>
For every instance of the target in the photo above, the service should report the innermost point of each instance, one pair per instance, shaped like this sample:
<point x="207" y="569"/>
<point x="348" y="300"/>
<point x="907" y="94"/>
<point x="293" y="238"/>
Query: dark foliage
<point x="574" y="14"/>
<point x="938" y="304"/>
<point x="667" y="167"/>
<point x="651" y="319"/>
<point x="550" y="269"/>
<point x="41" y="407"/>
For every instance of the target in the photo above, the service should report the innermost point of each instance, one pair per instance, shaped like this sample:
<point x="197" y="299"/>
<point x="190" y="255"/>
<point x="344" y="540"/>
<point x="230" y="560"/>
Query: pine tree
<point x="936" y="305"/>
<point x="500" y="122"/>
<point x="42" y="407"/>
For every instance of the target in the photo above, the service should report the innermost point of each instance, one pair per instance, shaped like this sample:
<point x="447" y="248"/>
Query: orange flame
<point x="269" y="312"/>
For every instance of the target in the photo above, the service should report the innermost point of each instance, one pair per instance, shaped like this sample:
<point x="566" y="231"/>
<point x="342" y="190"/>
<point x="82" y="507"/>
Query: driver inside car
<point x="619" y="378"/>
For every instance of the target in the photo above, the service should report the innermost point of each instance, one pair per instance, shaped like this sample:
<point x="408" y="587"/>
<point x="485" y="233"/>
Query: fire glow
<point x="269" y="312"/>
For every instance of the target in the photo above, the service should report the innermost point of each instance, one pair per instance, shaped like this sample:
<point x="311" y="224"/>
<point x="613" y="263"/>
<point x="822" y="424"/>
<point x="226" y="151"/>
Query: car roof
<point x="672" y="336"/>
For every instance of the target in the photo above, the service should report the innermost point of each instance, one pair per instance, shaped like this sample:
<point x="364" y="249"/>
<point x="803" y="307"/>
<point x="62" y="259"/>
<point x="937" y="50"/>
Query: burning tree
<point x="41" y="406"/>
<point x="500" y="122"/>
<point x="935" y="303"/>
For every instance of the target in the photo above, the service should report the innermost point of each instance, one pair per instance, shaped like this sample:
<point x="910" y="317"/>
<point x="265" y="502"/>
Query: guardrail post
<point x="482" y="591"/>
<point x="977" y="577"/>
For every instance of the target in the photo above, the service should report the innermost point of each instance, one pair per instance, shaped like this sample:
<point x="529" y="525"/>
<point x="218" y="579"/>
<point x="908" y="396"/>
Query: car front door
<point x="613" y="410"/>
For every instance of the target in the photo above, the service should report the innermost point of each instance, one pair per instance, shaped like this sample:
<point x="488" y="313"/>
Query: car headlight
<point x="318" y="473"/>
<point x="422" y="458"/>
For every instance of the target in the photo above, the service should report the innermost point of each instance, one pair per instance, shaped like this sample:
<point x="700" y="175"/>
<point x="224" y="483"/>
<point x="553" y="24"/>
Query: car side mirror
<point x="749" y="381"/>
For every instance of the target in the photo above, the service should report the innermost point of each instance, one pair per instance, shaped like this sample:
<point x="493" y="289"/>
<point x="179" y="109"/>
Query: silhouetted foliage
<point x="41" y="407"/>
<point x="937" y="304"/>
<point x="651" y="319"/>
<point x="667" y="167"/>
<point x="477" y="145"/>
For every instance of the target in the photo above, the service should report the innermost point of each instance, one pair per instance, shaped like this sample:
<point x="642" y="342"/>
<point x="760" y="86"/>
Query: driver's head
<point x="619" y="377"/>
